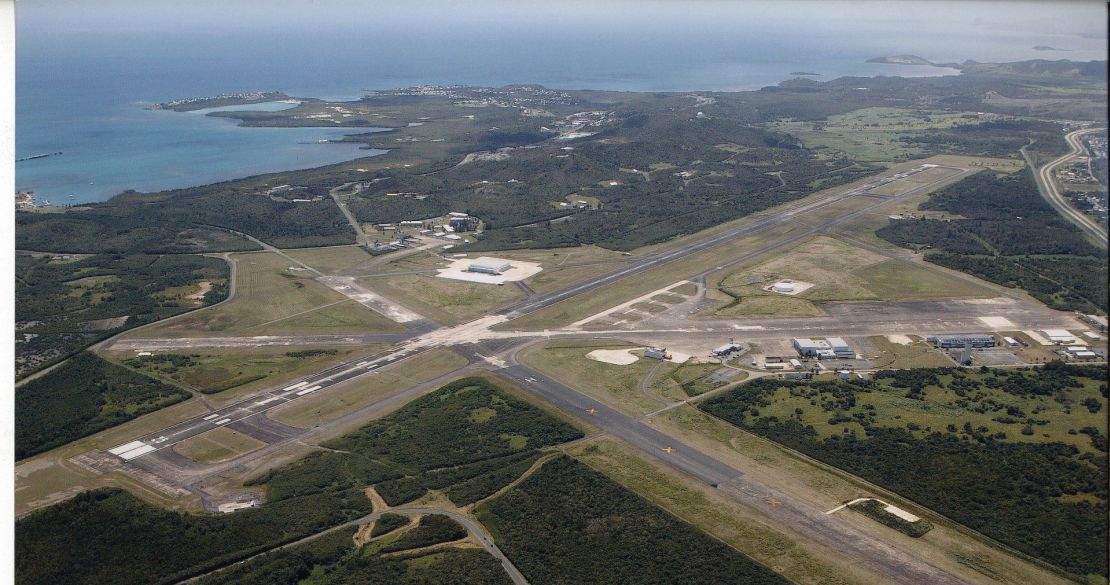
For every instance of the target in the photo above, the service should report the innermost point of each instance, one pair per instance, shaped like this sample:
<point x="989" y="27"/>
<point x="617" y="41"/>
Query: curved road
<point x="475" y="529"/>
<point x="1052" y="192"/>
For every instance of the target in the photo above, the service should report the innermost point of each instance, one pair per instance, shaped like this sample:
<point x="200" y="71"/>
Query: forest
<point x="568" y="524"/>
<point x="1031" y="494"/>
<point x="1008" y="234"/>
<point x="64" y="305"/>
<point x="83" y="396"/>
<point x="115" y="524"/>
<point x="333" y="559"/>
<point x="467" y="436"/>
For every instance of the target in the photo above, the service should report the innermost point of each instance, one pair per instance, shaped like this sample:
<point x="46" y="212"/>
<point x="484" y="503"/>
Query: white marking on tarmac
<point x="997" y="322"/>
<point x="309" y="390"/>
<point x="210" y="417"/>
<point x="129" y="455"/>
<point x="223" y="421"/>
<point x="295" y="386"/>
<point x="126" y="447"/>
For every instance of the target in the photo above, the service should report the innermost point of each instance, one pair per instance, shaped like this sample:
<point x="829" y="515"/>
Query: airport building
<point x="656" y="353"/>
<point x="840" y="348"/>
<point x="1058" y="336"/>
<point x="727" y="348"/>
<point x="485" y="265"/>
<point x="811" y="347"/>
<point x="956" y="341"/>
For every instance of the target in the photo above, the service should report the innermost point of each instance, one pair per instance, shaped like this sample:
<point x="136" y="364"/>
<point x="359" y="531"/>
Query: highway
<point x="1051" y="191"/>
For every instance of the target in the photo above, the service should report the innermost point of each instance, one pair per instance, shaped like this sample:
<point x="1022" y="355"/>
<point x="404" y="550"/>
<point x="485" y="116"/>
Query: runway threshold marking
<point x="309" y="390"/>
<point x="223" y="421"/>
<point x="210" y="417"/>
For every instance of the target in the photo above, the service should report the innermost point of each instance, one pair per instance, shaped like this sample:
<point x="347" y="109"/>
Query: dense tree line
<point x="1003" y="138"/>
<point x="468" y="433"/>
<point x="467" y="438"/>
<point x="1009" y="490"/>
<point x="432" y="529"/>
<point x="570" y="524"/>
<point x="54" y="322"/>
<point x="387" y="523"/>
<point x="83" y="396"/>
<point x="1011" y="236"/>
<point x="184" y="221"/>
<point x="113" y="525"/>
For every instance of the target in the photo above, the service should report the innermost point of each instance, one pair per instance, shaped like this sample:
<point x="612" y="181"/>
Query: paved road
<point x="868" y="551"/>
<point x="1050" y="189"/>
<point x="360" y="236"/>
<point x="476" y="530"/>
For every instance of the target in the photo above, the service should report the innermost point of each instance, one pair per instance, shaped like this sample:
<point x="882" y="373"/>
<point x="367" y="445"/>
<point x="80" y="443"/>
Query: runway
<point x="829" y="530"/>
<point x="476" y="339"/>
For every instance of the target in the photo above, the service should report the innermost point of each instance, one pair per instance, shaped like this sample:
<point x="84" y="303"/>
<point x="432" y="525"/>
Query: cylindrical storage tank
<point x="783" y="287"/>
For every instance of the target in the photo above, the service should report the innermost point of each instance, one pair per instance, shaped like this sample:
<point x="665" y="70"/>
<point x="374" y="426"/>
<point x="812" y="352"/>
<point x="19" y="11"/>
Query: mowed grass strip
<point x="612" y="384"/>
<point x="445" y="300"/>
<point x="839" y="272"/>
<point x="316" y="409"/>
<point x="331" y="259"/>
<point x="217" y="445"/>
<point x="275" y="297"/>
<point x="228" y="373"/>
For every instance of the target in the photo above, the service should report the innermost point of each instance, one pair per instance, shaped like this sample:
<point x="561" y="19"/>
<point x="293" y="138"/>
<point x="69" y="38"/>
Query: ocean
<point x="87" y="71"/>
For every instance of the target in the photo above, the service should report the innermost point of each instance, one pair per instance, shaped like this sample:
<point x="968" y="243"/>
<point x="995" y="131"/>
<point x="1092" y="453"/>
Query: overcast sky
<point x="107" y="17"/>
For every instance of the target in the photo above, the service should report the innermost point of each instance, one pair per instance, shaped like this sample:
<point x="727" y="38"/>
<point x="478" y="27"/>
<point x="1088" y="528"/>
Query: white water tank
<point x="783" y="287"/>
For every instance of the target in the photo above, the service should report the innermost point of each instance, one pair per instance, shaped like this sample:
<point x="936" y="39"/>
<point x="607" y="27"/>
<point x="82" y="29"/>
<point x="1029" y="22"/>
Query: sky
<point x="218" y="17"/>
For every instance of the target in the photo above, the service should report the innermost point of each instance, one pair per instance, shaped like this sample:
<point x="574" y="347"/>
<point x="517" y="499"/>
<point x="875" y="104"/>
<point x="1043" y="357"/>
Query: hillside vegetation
<point x="1005" y="232"/>
<point x="568" y="524"/>
<point x="83" y="396"/>
<point x="1014" y="462"/>
<point x="64" y="304"/>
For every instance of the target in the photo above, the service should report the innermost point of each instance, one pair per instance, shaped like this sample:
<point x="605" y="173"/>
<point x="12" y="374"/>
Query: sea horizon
<point x="84" y="91"/>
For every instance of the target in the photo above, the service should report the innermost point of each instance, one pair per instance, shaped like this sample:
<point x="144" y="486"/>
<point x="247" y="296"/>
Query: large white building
<point x="811" y="347"/>
<point x="840" y="348"/>
<point x="486" y="265"/>
<point x="1059" y="336"/>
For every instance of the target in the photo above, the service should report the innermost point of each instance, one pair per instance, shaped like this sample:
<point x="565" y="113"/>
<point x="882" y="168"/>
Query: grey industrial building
<point x="824" y="349"/>
<point x="493" y="266"/>
<point x="955" y="341"/>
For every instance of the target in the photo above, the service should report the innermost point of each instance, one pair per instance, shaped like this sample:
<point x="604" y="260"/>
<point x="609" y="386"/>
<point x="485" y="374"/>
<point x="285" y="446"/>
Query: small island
<point x="1048" y="48"/>
<point x="902" y="60"/>
<point x="804" y="73"/>
<point x="225" y="99"/>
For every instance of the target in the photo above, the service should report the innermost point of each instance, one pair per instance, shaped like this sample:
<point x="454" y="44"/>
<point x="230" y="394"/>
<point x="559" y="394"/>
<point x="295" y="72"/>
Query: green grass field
<point x="217" y="445"/>
<point x="273" y="299"/>
<point x="617" y="385"/>
<point x="839" y="272"/>
<point x="240" y="370"/>
<point x="872" y="134"/>
<point x="331" y="259"/>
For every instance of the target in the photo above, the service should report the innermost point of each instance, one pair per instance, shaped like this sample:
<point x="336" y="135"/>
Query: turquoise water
<point x="85" y="70"/>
